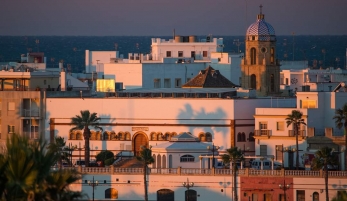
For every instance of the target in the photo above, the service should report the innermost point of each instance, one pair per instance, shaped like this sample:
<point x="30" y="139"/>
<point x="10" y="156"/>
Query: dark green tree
<point x="324" y="157"/>
<point x="295" y="119"/>
<point x="342" y="196"/>
<point x="58" y="146"/>
<point x="107" y="157"/>
<point x="83" y="121"/>
<point x="341" y="122"/>
<point x="145" y="156"/>
<point x="234" y="155"/>
<point x="25" y="171"/>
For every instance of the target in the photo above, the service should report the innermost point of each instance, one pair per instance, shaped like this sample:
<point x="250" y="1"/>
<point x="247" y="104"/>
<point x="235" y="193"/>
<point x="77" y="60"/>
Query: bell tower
<point x="260" y="69"/>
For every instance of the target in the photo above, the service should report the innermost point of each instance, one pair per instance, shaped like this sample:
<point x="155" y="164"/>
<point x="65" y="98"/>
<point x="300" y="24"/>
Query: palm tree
<point x="340" y="197"/>
<point x="58" y="146"/>
<point x="58" y="184"/>
<point x="83" y="122"/>
<point x="295" y="119"/>
<point x="145" y="156"/>
<point x="324" y="157"/>
<point x="341" y="121"/>
<point x="25" y="172"/>
<point x="234" y="155"/>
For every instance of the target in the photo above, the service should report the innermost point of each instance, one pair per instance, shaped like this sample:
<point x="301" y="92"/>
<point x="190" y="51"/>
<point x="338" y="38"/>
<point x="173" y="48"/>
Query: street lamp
<point x="213" y="149"/>
<point x="93" y="184"/>
<point x="284" y="187"/>
<point x="188" y="186"/>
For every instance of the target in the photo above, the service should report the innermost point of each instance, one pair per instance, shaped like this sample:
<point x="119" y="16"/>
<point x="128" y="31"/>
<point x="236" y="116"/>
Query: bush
<point x="106" y="157"/>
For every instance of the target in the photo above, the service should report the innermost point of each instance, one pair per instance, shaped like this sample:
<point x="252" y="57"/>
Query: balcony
<point x="30" y="113"/>
<point x="302" y="133"/>
<point x="31" y="135"/>
<point x="262" y="132"/>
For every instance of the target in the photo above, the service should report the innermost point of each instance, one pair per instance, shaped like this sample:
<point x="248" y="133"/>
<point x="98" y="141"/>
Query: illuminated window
<point x="280" y="125"/>
<point x="308" y="104"/>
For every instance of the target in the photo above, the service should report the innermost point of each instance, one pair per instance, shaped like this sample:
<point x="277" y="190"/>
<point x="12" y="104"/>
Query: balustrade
<point x="210" y="172"/>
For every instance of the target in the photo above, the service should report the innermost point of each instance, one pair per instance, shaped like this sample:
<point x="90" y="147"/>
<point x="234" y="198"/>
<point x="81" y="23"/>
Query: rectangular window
<point x="192" y="54"/>
<point x="10" y="129"/>
<point x="178" y="82"/>
<point x="156" y="83"/>
<point x="280" y="126"/>
<point x="263" y="150"/>
<point x="263" y="128"/>
<point x="300" y="195"/>
<point x="279" y="149"/>
<point x="308" y="104"/>
<point x="287" y="81"/>
<point x="168" y="53"/>
<point x="167" y="83"/>
<point x="180" y="53"/>
<point x="204" y="54"/>
<point x="11" y="106"/>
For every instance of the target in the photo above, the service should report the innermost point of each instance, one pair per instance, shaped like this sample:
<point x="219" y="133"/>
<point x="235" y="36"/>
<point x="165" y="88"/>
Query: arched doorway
<point x="111" y="193"/>
<point x="165" y="195"/>
<point x="139" y="139"/>
<point x="190" y="195"/>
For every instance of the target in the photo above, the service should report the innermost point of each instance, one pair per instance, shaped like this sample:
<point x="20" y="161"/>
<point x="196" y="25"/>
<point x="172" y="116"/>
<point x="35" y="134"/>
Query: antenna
<point x="237" y="43"/>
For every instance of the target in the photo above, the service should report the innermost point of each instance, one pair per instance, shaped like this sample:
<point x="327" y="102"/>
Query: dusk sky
<point x="160" y="17"/>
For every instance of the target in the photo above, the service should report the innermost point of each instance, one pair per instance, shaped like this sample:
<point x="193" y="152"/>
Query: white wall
<point x="131" y="75"/>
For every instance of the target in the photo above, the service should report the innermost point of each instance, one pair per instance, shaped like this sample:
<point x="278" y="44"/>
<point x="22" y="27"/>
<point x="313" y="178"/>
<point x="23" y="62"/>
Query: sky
<point x="161" y="17"/>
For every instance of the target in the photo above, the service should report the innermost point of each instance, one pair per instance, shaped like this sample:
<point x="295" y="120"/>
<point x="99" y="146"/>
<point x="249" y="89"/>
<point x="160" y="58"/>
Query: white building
<point x="318" y="108"/>
<point x="170" y="64"/>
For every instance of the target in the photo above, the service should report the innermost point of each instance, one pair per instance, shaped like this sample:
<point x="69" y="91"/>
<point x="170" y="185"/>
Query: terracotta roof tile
<point x="209" y="78"/>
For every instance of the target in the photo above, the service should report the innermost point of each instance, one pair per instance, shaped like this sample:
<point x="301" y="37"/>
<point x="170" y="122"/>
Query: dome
<point x="261" y="29"/>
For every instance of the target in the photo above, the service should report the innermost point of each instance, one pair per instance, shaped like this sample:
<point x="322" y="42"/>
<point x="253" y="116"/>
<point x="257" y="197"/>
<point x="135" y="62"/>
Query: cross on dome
<point x="261" y="8"/>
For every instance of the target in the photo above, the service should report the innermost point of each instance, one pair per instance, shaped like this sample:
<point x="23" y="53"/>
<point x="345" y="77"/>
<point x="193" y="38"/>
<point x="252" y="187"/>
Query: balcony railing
<point x="30" y="113"/>
<point x="262" y="132"/>
<point x="246" y="172"/>
<point x="31" y="135"/>
<point x="301" y="133"/>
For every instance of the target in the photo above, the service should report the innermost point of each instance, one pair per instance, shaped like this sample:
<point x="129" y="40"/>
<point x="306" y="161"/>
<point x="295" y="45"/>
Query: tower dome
<point x="261" y="30"/>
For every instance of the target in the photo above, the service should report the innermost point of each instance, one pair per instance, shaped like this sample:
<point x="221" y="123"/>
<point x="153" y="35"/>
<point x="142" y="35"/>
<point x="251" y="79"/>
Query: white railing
<point x="209" y="172"/>
<point x="163" y="171"/>
<point x="96" y="170"/>
<point x="128" y="171"/>
<point x="253" y="172"/>
<point x="337" y="174"/>
<point x="303" y="173"/>
<point x="194" y="171"/>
